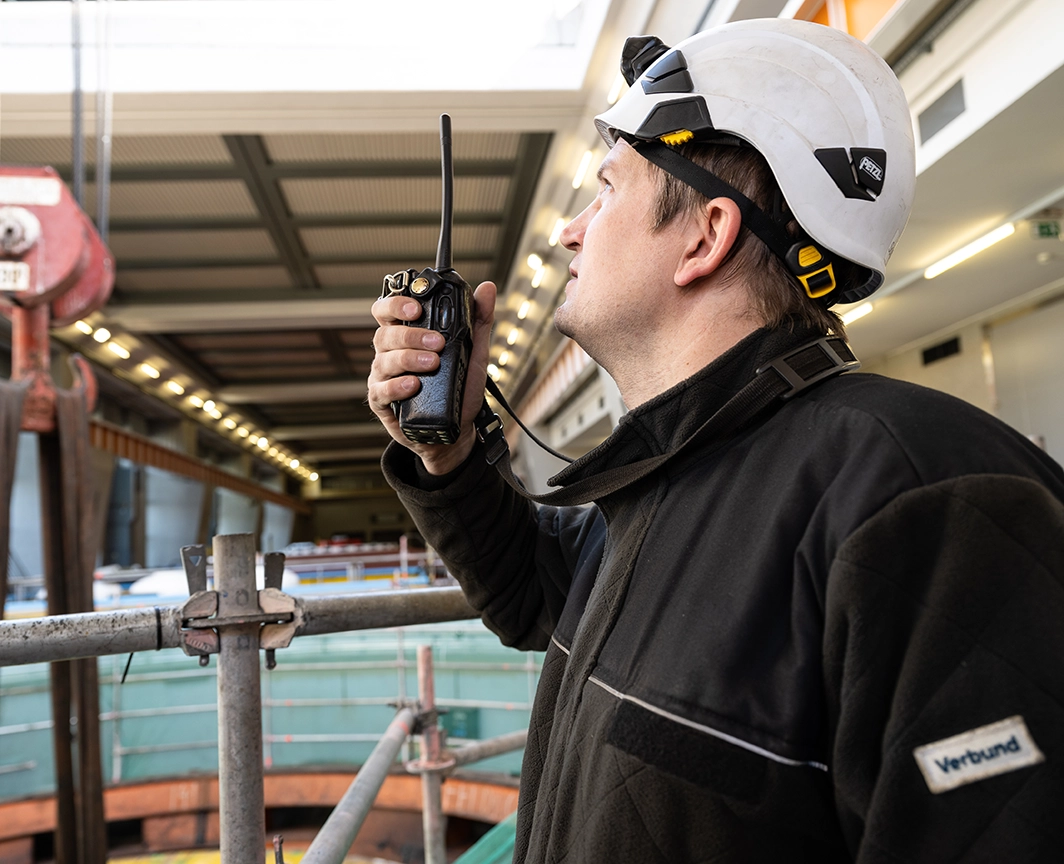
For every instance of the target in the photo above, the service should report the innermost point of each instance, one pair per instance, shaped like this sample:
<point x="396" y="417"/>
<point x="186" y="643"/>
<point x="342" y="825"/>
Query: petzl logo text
<point x="872" y="168"/>
<point x="978" y="754"/>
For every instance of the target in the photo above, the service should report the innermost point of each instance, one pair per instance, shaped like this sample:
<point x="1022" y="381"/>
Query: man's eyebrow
<point x="601" y="173"/>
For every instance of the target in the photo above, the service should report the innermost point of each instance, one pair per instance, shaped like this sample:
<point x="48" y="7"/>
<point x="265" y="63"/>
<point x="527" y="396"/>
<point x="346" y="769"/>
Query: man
<point x="811" y="616"/>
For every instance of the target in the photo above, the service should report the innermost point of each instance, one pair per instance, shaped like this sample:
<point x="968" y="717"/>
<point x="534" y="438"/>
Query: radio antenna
<point x="443" y="251"/>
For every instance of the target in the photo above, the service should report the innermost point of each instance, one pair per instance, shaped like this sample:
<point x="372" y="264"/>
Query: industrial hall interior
<point x="200" y="202"/>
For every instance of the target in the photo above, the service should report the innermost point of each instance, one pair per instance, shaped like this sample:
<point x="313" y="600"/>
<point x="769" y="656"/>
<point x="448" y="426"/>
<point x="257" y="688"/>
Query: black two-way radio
<point x="433" y="415"/>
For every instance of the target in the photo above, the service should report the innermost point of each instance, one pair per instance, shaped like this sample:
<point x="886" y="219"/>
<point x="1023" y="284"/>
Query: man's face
<point x="621" y="267"/>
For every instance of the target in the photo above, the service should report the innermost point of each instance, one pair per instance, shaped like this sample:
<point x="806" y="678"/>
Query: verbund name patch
<point x="975" y="755"/>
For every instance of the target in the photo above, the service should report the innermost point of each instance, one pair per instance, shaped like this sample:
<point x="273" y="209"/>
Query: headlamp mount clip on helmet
<point x="821" y="108"/>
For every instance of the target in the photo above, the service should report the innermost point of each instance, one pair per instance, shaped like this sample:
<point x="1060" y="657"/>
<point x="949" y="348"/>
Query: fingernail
<point x="426" y="359"/>
<point x="411" y="309"/>
<point x="407" y="384"/>
<point x="432" y="340"/>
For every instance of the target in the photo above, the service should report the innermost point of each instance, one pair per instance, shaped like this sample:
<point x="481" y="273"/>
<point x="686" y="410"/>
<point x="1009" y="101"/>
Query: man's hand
<point x="403" y="353"/>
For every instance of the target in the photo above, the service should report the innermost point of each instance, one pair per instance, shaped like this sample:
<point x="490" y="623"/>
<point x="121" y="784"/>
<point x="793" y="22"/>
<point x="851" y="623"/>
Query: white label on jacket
<point x="977" y="754"/>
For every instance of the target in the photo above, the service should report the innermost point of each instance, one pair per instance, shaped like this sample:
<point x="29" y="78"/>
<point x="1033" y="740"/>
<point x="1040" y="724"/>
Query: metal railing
<point x="235" y="621"/>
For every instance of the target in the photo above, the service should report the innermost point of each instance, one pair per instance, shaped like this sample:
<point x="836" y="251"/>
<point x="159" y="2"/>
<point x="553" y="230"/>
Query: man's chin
<point x="562" y="323"/>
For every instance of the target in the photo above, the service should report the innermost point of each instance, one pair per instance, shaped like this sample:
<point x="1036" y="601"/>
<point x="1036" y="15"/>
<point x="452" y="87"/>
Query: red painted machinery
<point x="54" y="270"/>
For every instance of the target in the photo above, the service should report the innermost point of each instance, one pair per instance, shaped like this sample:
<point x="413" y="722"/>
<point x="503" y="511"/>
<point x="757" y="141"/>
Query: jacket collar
<point x="664" y="423"/>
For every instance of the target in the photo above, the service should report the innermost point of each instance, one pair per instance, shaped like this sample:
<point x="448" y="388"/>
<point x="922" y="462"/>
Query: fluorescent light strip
<point x="581" y="172"/>
<point x="856" y="312"/>
<point x="973" y="248"/>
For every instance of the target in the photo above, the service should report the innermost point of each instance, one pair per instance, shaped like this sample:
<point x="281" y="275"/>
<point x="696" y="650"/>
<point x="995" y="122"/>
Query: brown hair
<point x="776" y="296"/>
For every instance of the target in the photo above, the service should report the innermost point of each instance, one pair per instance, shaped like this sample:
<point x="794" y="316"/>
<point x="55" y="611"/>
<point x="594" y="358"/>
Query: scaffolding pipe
<point x="241" y="796"/>
<point x="335" y="837"/>
<point x="385" y="609"/>
<point x="89" y="634"/>
<point x="98" y="634"/>
<point x="432" y="820"/>
<point x="490" y="747"/>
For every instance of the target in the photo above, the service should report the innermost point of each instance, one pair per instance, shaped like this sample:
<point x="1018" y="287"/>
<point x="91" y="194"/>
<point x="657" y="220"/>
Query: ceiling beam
<point x="253" y="164"/>
<point x="294" y="170"/>
<point x="338" y="354"/>
<point x="355" y="453"/>
<point x="231" y="317"/>
<point x="303" y="391"/>
<point x="346" y="220"/>
<point x="181" y="296"/>
<point x="531" y="155"/>
<point x="325" y="431"/>
<point x="202" y="263"/>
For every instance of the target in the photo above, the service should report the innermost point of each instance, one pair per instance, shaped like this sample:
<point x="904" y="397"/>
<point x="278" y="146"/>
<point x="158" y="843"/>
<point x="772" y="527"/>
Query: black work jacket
<point x="745" y="647"/>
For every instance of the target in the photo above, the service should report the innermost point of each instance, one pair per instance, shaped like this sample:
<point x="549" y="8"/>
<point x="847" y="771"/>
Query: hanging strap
<point x="781" y="378"/>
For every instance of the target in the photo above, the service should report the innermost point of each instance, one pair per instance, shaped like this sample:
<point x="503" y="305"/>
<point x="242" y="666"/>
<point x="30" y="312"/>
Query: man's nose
<point x="572" y="236"/>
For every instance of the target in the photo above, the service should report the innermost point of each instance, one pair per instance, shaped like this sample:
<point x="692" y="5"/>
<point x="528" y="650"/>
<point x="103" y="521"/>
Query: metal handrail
<point x="125" y="631"/>
<point x="239" y="620"/>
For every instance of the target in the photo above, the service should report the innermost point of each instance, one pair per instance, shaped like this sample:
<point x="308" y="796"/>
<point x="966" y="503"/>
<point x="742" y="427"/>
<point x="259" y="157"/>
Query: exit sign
<point x="1046" y="228"/>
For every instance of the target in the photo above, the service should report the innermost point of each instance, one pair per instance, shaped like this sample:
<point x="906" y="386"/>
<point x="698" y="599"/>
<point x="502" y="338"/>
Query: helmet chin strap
<point x="811" y="265"/>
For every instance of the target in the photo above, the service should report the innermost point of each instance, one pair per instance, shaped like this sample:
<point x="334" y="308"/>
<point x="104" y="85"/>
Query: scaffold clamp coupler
<point x="199" y="642"/>
<point x="273" y="601"/>
<point x="424" y="766"/>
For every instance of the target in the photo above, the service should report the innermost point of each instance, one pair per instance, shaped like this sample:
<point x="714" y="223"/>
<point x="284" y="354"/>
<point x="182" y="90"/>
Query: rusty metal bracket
<point x="424" y="766"/>
<point x="286" y="618"/>
<point x="196" y="642"/>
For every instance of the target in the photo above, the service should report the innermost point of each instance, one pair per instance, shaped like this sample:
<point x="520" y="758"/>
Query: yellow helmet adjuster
<point x="818" y="281"/>
<point x="680" y="136"/>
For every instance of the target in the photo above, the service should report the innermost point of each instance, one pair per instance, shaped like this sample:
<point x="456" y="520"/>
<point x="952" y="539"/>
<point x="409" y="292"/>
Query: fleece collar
<point x="662" y="424"/>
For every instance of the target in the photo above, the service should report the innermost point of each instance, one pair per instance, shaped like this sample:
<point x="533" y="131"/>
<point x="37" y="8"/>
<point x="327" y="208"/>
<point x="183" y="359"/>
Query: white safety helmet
<point x="825" y="111"/>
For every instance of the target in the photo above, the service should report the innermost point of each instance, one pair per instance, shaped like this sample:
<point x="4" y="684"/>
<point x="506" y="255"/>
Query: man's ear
<point x="711" y="235"/>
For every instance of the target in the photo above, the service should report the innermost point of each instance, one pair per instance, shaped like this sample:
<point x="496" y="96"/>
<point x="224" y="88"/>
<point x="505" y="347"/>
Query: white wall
<point x="26" y="509"/>
<point x="963" y="375"/>
<point x="1029" y="365"/>
<point x="236" y="513"/>
<point x="276" y="527"/>
<point x="1019" y="376"/>
<point x="171" y="516"/>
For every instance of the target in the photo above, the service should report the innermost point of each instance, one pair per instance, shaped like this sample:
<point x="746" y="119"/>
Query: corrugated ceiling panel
<point x="140" y="246"/>
<point x="266" y="341"/>
<point x="176" y="199"/>
<point x="474" y="274"/>
<point x="267" y="373"/>
<point x="393" y="195"/>
<point x="361" y="274"/>
<point x="397" y="240"/>
<point x="260" y="358"/>
<point x="357" y="337"/>
<point x="388" y="147"/>
<point x="372" y="275"/>
<point x="199" y="278"/>
<point x="139" y="150"/>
